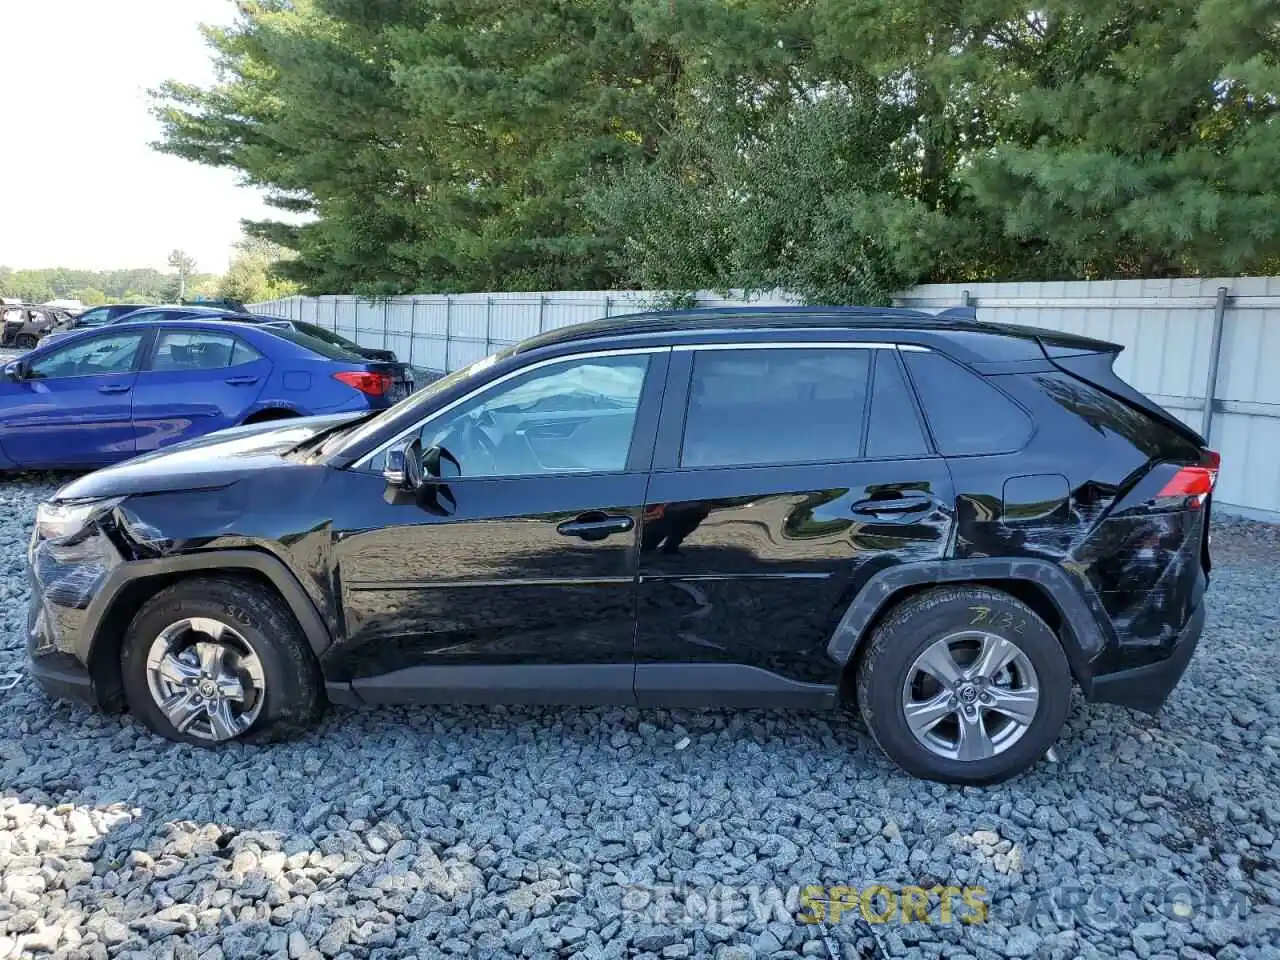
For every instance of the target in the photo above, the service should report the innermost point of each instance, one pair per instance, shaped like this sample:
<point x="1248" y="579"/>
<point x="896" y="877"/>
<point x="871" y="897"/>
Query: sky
<point x="79" y="184"/>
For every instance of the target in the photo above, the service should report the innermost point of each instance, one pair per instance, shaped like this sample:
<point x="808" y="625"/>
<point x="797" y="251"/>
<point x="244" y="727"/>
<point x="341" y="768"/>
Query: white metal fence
<point x="1184" y="340"/>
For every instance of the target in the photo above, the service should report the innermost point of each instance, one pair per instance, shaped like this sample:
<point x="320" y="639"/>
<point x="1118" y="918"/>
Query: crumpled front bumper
<point x="63" y="585"/>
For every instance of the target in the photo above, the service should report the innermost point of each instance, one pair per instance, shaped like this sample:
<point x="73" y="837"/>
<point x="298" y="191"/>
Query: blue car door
<point x="71" y="405"/>
<point x="193" y="382"/>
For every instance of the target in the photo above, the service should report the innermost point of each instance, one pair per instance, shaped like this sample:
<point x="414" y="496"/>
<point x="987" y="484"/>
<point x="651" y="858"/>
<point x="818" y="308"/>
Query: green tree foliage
<point x="253" y="275"/>
<point x="95" y="286"/>
<point x="839" y="148"/>
<point x="441" y="145"/>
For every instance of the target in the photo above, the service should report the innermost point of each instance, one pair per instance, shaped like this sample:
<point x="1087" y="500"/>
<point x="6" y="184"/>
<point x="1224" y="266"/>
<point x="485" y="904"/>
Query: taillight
<point x="1194" y="484"/>
<point x="374" y="384"/>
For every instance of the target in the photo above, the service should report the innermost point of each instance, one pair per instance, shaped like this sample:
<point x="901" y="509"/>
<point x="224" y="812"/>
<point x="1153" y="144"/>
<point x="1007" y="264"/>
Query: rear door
<point x="774" y="497"/>
<point x="73" y="406"/>
<point x="194" y="382"/>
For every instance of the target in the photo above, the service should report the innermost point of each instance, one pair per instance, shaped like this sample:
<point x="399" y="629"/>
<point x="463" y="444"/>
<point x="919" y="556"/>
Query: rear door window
<point x="966" y="414"/>
<point x="775" y="406"/>
<point x="193" y="350"/>
<point x="895" y="429"/>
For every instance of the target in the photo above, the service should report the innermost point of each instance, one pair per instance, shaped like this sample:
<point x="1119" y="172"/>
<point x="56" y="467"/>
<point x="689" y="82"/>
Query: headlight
<point x="58" y="521"/>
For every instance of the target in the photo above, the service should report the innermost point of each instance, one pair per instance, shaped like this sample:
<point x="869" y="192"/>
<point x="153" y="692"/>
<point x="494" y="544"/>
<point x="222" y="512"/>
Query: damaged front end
<point x="74" y="549"/>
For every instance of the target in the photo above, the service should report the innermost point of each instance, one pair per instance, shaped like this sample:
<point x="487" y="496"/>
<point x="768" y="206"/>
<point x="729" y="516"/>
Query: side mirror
<point x="410" y="469"/>
<point x="393" y="472"/>
<point x="16" y="371"/>
<point x="404" y="466"/>
<point x="440" y="464"/>
<point x="413" y="465"/>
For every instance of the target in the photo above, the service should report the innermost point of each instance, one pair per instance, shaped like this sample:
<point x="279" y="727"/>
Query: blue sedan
<point x="99" y="396"/>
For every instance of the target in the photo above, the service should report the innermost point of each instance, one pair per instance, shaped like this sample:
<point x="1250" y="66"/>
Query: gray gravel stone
<point x="604" y="833"/>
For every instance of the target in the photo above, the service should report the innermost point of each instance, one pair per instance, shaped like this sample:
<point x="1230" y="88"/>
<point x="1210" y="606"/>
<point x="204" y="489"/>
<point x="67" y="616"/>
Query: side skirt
<point x="646" y="685"/>
<point x="727" y="685"/>
<point x="546" y="684"/>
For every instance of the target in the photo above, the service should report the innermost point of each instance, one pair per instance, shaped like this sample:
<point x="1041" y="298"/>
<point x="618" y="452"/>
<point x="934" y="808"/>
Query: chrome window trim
<point x="799" y="345"/>
<point x="365" y="462"/>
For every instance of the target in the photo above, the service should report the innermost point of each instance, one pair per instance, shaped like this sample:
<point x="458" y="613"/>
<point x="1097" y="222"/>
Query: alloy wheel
<point x="205" y="678"/>
<point x="970" y="696"/>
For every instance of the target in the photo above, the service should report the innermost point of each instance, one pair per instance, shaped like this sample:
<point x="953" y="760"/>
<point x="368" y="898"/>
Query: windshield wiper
<point x="332" y="433"/>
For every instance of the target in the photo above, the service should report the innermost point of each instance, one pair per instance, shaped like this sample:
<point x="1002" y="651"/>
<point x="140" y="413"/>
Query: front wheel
<point x="223" y="658"/>
<point x="965" y="685"/>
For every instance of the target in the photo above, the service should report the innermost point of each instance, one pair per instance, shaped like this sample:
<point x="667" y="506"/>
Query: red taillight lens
<point x="1194" y="483"/>
<point x="374" y="384"/>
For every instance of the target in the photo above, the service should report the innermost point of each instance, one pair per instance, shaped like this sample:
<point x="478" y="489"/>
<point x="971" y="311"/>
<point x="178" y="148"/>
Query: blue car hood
<point x="214" y="460"/>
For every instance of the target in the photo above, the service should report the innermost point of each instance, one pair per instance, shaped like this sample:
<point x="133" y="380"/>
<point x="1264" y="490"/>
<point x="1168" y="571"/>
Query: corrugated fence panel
<point x="1165" y="326"/>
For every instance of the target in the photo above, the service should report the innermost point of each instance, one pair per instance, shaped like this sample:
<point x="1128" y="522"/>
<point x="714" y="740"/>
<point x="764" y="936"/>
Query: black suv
<point x="943" y="521"/>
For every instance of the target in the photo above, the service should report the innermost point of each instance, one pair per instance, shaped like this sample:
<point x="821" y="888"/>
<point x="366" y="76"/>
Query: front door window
<point x="572" y="417"/>
<point x="89" y="358"/>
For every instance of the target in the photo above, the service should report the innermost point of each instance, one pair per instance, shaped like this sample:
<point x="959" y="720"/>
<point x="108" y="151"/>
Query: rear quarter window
<point x="966" y="414"/>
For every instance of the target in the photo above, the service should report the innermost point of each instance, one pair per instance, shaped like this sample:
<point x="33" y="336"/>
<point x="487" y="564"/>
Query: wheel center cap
<point x="208" y="689"/>
<point x="968" y="693"/>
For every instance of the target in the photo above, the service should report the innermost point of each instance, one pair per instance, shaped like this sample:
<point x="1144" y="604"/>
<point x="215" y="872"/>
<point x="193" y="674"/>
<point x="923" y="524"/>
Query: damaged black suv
<point x="945" y="522"/>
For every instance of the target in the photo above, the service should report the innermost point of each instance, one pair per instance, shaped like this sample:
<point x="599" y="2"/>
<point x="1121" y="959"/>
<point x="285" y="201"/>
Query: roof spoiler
<point x="958" y="313"/>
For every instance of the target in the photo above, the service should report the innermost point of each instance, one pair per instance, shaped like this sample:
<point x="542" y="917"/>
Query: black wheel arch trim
<point x="212" y="561"/>
<point x="1085" y="629"/>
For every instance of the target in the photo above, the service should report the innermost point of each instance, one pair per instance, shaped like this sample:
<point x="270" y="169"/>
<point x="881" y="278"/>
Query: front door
<point x="515" y="579"/>
<point x="774" y="497"/>
<point x="195" y="382"/>
<point x="74" y="405"/>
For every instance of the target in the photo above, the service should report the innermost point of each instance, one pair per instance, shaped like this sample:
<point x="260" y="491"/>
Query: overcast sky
<point x="79" y="184"/>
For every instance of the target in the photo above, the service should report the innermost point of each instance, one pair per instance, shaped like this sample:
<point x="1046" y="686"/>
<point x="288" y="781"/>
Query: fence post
<point x="413" y="326"/>
<point x="965" y="299"/>
<point x="386" y="309"/>
<point x="542" y="308"/>
<point x="1215" y="351"/>
<point x="488" y="325"/>
<point x="448" y="330"/>
<point x="607" y="304"/>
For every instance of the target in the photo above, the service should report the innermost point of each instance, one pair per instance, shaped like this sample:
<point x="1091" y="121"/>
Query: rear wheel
<point x="964" y="685"/>
<point x="211" y="660"/>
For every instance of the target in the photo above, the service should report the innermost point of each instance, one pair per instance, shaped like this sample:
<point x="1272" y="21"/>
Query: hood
<point x="211" y="461"/>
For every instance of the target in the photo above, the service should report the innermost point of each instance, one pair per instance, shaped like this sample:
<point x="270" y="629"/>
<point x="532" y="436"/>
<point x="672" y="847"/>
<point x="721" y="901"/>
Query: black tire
<point x="922" y="620"/>
<point x="294" y="689"/>
<point x="26" y="341"/>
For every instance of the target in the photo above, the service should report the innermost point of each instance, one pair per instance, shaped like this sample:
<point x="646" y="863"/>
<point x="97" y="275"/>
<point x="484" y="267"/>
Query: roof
<point x="742" y="318"/>
<point x="722" y="322"/>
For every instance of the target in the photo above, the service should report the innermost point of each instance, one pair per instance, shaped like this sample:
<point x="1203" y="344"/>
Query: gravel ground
<point x="609" y="832"/>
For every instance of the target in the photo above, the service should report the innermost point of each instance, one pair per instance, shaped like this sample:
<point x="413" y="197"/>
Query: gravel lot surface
<point x="608" y="833"/>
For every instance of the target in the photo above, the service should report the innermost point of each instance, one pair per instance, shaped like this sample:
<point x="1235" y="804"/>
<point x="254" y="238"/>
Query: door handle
<point x="114" y="388"/>
<point x="241" y="381"/>
<point x="893" y="506"/>
<point x="595" y="526"/>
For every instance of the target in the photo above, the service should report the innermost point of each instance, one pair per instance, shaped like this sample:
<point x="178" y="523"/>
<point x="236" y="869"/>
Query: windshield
<point x="418" y="400"/>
